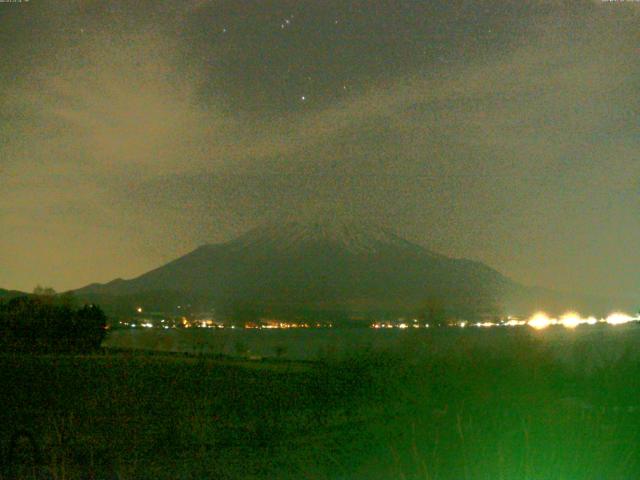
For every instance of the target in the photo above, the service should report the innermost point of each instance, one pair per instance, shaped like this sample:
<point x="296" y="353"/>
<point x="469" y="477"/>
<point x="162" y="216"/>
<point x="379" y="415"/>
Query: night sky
<point x="133" y="131"/>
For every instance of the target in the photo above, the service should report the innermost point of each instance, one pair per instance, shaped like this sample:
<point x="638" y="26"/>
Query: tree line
<point x="47" y="322"/>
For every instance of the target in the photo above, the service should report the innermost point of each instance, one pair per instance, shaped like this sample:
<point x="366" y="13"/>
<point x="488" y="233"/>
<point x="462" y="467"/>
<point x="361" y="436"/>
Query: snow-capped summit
<point x="358" y="237"/>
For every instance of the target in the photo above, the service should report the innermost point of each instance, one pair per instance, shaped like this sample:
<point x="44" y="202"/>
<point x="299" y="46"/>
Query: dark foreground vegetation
<point x="509" y="413"/>
<point x="46" y="322"/>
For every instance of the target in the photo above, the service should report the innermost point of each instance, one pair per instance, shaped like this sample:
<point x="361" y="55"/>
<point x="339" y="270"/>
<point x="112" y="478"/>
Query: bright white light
<point x="515" y="323"/>
<point x="571" y="320"/>
<point x="619" y="318"/>
<point x="485" y="324"/>
<point x="139" y="309"/>
<point x="539" y="321"/>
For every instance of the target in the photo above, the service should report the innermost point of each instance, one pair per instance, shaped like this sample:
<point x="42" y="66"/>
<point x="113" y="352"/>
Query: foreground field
<point x="510" y="412"/>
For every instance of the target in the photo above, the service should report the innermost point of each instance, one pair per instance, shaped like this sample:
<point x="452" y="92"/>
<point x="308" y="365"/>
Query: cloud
<point x="112" y="141"/>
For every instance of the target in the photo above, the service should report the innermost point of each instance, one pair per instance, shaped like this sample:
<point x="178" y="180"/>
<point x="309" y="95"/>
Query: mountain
<point x="9" y="294"/>
<point x="318" y="268"/>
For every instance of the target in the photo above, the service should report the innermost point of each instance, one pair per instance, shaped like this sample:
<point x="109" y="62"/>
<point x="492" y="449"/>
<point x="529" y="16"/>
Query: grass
<point x="512" y="413"/>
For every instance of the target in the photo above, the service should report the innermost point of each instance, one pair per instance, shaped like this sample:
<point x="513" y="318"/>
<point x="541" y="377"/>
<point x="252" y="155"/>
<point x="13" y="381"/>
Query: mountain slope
<point x="318" y="266"/>
<point x="9" y="294"/>
<point x="353" y="268"/>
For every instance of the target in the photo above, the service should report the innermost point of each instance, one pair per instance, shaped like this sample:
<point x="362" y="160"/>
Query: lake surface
<point x="587" y="346"/>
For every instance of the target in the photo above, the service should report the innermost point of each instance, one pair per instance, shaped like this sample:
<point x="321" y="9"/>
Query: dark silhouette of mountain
<point x="9" y="294"/>
<point x="310" y="267"/>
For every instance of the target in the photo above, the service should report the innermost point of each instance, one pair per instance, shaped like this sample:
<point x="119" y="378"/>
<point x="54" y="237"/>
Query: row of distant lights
<point x="538" y="321"/>
<point x="571" y="320"/>
<point x="219" y="326"/>
<point x="165" y="327"/>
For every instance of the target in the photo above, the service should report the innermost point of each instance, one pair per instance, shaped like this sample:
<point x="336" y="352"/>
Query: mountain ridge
<point x="315" y="265"/>
<point x="9" y="294"/>
<point x="319" y="266"/>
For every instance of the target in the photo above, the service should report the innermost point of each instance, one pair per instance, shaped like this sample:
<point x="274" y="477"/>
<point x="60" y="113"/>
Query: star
<point x="303" y="98"/>
<point x="286" y="23"/>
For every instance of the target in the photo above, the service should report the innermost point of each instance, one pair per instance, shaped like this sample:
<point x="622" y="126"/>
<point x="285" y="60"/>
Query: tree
<point x="91" y="326"/>
<point x="38" y="323"/>
<point x="44" y="292"/>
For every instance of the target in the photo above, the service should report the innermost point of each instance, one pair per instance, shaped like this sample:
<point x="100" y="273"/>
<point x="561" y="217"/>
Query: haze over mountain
<point x="317" y="266"/>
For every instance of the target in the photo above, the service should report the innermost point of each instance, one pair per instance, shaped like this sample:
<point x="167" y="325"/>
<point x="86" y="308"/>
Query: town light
<point x="571" y="320"/>
<point x="619" y="318"/>
<point x="539" y="321"/>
